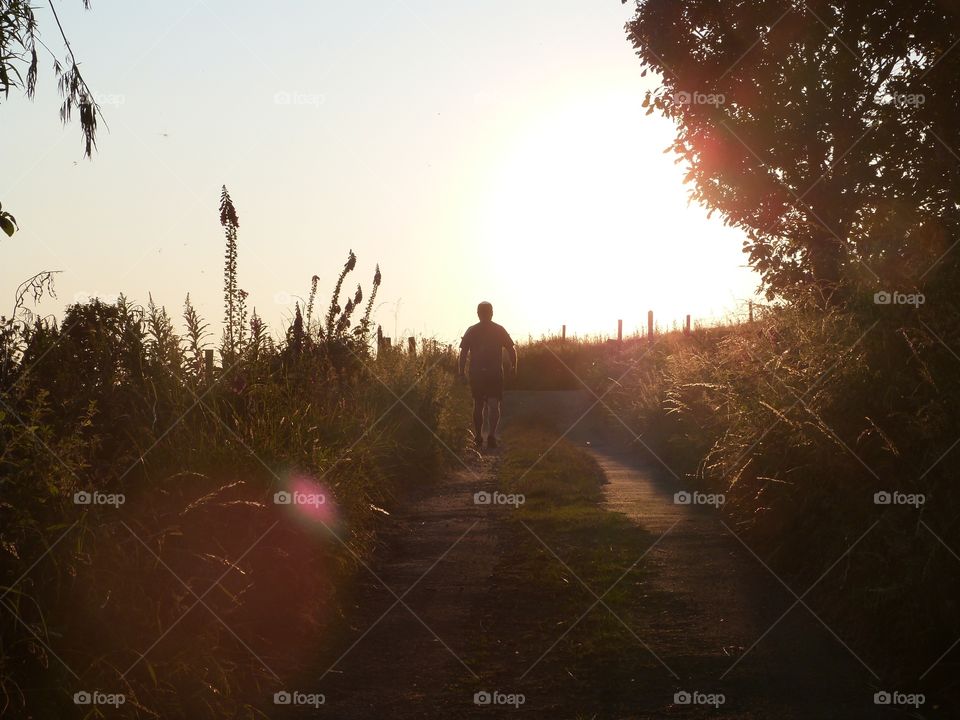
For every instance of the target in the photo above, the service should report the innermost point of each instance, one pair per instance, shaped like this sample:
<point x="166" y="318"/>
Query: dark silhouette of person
<point x="484" y="343"/>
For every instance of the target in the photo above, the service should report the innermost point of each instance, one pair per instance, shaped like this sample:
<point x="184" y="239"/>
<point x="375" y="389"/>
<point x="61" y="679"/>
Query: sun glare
<point x="586" y="228"/>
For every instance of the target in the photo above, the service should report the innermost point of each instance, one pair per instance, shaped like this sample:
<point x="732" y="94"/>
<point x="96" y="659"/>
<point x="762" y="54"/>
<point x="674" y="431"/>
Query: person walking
<point x="483" y="344"/>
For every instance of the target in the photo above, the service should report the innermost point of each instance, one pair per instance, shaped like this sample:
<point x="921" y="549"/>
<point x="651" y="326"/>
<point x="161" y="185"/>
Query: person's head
<point x="485" y="311"/>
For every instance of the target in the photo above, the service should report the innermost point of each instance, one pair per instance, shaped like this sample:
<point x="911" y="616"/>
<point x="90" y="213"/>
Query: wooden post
<point x="563" y="333"/>
<point x="412" y="345"/>
<point x="686" y="327"/>
<point x="208" y="364"/>
<point x="751" y="311"/>
<point x="619" y="330"/>
<point x="650" y="325"/>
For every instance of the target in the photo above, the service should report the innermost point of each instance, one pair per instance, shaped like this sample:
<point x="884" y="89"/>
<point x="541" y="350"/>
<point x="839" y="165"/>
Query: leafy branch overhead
<point x="19" y="66"/>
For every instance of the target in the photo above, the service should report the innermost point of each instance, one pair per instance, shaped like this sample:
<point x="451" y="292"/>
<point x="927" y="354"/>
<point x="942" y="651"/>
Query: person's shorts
<point x="487" y="385"/>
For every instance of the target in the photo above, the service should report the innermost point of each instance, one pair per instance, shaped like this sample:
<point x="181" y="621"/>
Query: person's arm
<point x="511" y="351"/>
<point x="464" y="351"/>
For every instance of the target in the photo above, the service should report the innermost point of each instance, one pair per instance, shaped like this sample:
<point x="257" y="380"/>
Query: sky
<point x="477" y="151"/>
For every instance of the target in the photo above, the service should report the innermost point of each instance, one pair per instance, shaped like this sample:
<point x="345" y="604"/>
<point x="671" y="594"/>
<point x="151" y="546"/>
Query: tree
<point x="824" y="130"/>
<point x="19" y="65"/>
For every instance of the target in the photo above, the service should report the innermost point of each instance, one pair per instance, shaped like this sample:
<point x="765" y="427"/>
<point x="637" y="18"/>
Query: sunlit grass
<point x="799" y="418"/>
<point x="199" y="593"/>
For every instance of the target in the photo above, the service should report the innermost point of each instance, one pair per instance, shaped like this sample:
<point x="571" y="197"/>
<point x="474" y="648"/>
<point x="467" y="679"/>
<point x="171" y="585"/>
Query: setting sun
<point x="585" y="227"/>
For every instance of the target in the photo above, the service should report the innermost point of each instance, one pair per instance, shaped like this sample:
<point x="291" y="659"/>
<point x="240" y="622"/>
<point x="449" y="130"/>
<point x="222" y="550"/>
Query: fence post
<point x="412" y="345"/>
<point x="751" y="311"/>
<point x="619" y="330"/>
<point x="563" y="333"/>
<point x="208" y="364"/>
<point x="650" y="325"/>
<point x="686" y="327"/>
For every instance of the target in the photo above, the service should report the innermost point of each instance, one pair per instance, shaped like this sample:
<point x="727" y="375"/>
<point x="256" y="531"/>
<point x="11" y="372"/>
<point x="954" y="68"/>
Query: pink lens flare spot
<point x="309" y="499"/>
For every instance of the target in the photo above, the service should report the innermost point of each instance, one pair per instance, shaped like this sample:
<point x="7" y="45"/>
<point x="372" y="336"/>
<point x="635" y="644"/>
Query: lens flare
<point x="308" y="500"/>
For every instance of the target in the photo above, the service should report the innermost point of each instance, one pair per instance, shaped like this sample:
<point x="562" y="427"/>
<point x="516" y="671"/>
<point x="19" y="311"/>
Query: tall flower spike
<point x="228" y="213"/>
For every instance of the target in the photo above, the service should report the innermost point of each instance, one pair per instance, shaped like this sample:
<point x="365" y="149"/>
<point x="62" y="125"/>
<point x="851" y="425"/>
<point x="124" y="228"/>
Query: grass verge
<point x="543" y="632"/>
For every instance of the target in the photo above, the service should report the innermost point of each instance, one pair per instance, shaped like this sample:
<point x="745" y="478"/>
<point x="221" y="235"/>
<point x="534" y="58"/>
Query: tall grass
<point x="199" y="596"/>
<point x="799" y="419"/>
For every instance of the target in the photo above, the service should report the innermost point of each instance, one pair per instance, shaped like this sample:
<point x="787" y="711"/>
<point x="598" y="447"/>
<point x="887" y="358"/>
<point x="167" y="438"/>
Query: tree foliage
<point x="824" y="130"/>
<point x="19" y="69"/>
<point x="19" y="65"/>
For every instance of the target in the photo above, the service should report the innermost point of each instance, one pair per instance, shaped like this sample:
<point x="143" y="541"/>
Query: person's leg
<point x="493" y="416"/>
<point x="478" y="405"/>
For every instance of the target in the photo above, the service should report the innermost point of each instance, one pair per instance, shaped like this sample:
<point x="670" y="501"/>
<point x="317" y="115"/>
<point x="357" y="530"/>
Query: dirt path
<point x="410" y="659"/>
<point x="408" y="642"/>
<point x="727" y="630"/>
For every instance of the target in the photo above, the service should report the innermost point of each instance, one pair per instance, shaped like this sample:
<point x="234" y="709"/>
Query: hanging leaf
<point x="8" y="224"/>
